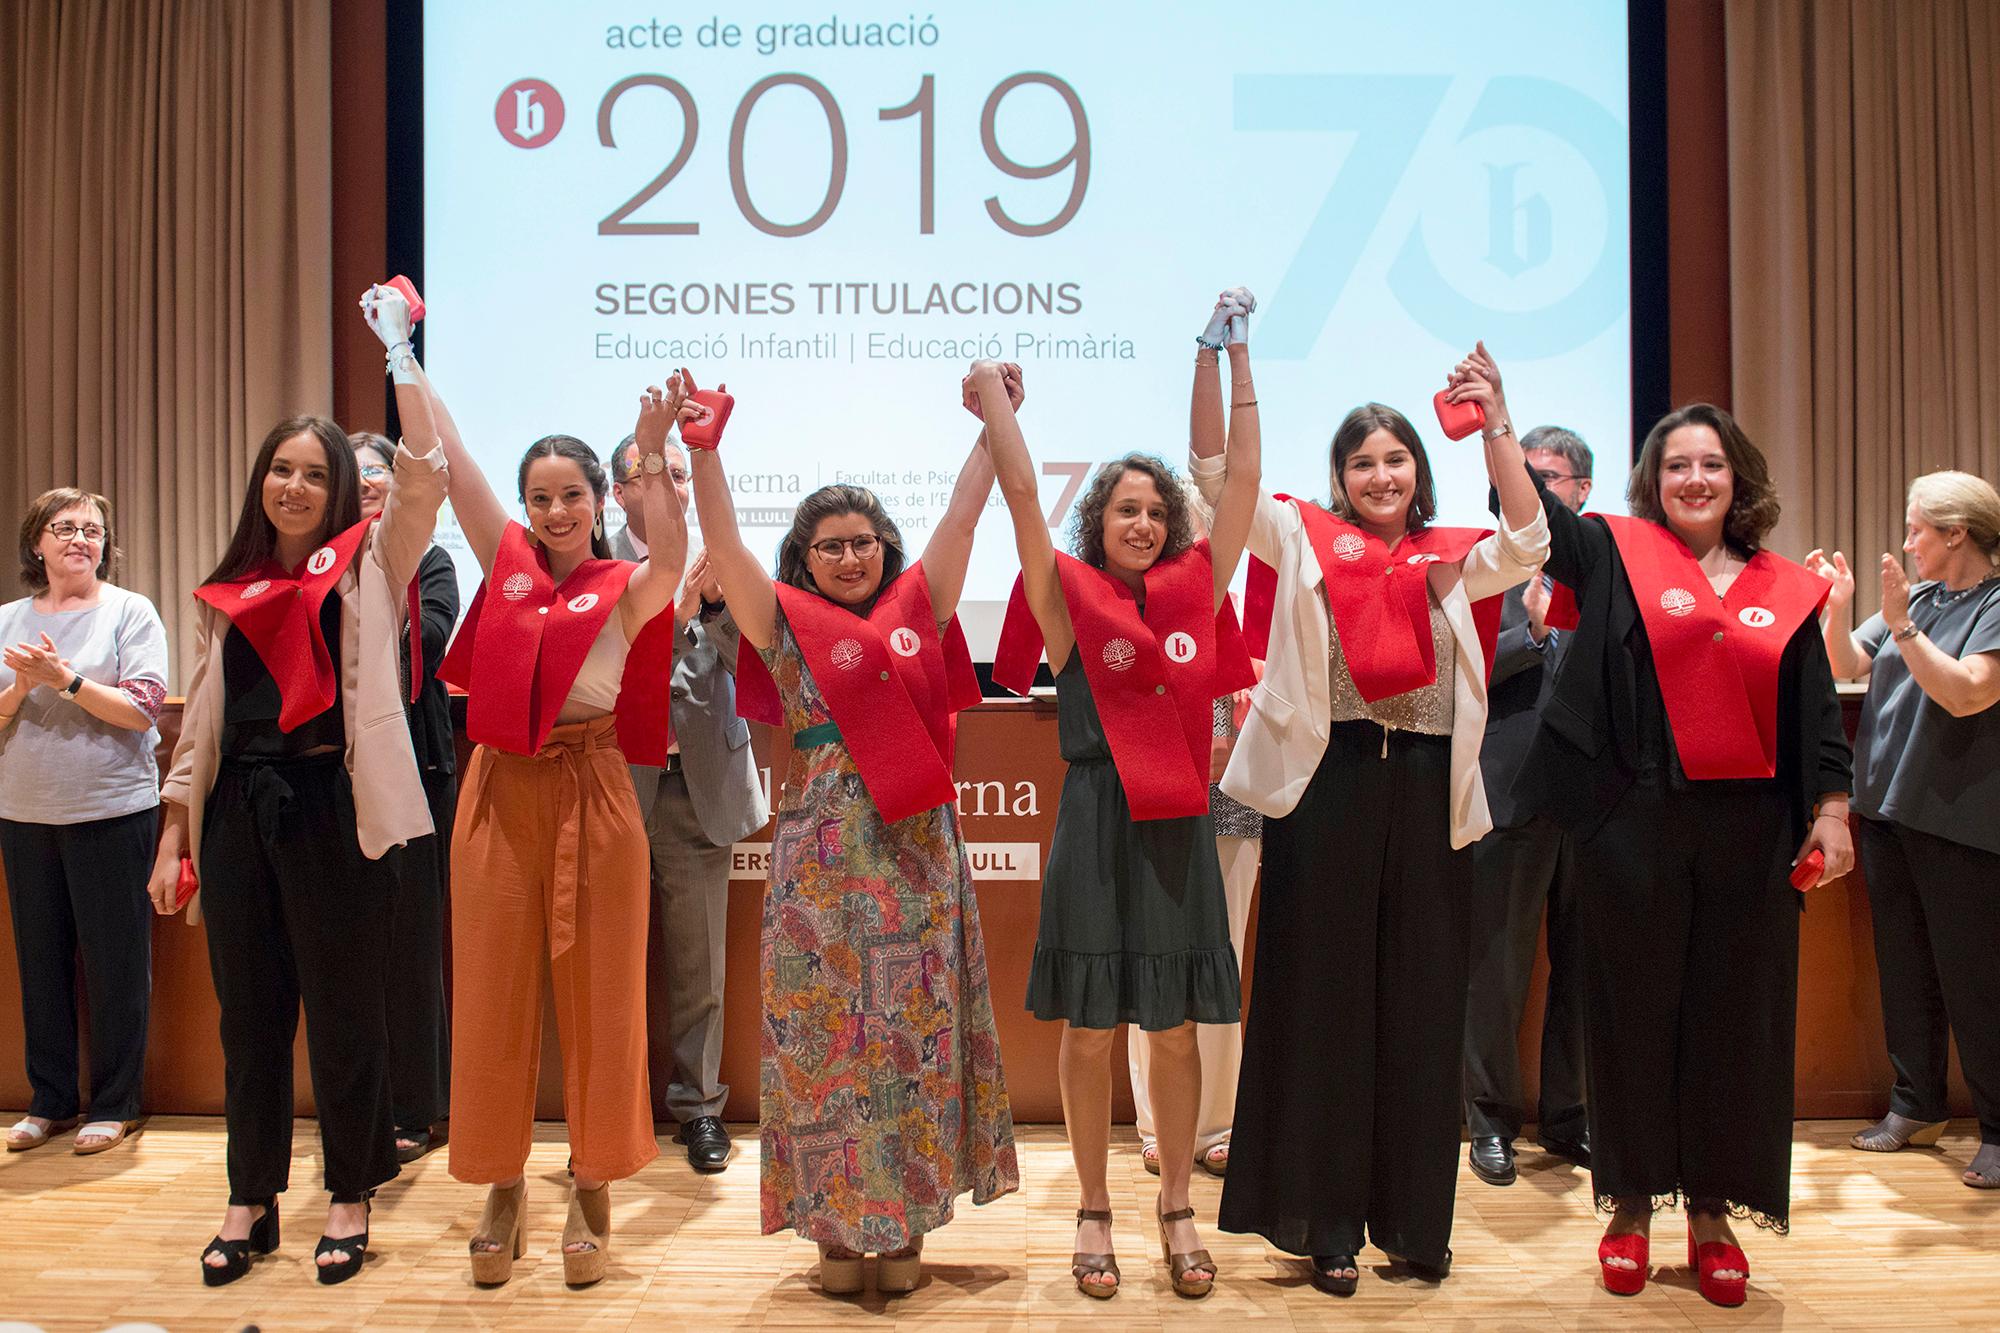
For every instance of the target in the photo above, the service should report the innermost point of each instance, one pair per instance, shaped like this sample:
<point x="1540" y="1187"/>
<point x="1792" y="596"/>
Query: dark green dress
<point x="1134" y="925"/>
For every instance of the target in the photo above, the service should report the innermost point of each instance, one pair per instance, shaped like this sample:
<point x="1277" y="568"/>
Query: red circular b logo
<point x="529" y="113"/>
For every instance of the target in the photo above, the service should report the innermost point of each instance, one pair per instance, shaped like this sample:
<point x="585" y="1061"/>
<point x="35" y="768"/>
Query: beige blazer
<point x="1285" y="736"/>
<point x="389" y="803"/>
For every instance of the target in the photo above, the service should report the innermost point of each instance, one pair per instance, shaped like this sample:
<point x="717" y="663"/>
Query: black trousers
<point x="296" y="913"/>
<point x="1691" y="949"/>
<point x="419" y="1027"/>
<point x="1936" y="905"/>
<point x="1517" y="872"/>
<point x="81" y="889"/>
<point x="1347" y="1107"/>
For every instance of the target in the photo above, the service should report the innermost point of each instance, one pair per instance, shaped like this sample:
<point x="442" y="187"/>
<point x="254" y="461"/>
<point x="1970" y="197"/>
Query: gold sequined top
<point x="1427" y="710"/>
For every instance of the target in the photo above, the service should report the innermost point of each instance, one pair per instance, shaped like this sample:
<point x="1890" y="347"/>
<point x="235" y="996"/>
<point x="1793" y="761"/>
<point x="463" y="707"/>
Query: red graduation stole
<point x="1717" y="657"/>
<point x="891" y="681"/>
<point x="1380" y="600"/>
<point x="517" y="656"/>
<point x="1154" y="676"/>
<point x="278" y="613"/>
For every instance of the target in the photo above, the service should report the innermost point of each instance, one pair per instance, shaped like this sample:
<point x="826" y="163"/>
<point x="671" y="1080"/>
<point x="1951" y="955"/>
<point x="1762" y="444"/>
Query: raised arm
<point x="986" y="395"/>
<point x="1237" y="505"/>
<point x="753" y="601"/>
<point x="1477" y="379"/>
<point x="480" y="515"/>
<point x="651" y="590"/>
<point x="950" y="546"/>
<point x="1846" y="653"/>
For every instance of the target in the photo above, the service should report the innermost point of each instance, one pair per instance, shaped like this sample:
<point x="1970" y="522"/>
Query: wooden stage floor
<point x="86" y="1243"/>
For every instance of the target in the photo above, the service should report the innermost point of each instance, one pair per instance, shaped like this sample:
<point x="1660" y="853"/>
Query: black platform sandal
<point x="355" y="1247"/>
<point x="420" y="1142"/>
<point x="1327" y="1275"/>
<point x="236" y="1254"/>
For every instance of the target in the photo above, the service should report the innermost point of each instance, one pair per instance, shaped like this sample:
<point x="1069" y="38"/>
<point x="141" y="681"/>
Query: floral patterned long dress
<point x="882" y="1094"/>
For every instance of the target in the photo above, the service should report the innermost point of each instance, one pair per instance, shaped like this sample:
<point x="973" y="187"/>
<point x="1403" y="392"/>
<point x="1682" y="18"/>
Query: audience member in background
<point x="1525" y="865"/>
<point x="292" y="779"/>
<point x="419" y="1028"/>
<point x="1693" y="749"/>
<point x="1927" y="788"/>
<point x="706" y="796"/>
<point x="82" y="677"/>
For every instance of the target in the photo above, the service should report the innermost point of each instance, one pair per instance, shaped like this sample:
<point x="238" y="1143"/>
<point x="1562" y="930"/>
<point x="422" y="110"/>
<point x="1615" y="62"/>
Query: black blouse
<point x="251" y="703"/>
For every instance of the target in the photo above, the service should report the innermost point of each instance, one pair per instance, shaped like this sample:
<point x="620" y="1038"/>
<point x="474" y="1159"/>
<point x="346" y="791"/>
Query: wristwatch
<point x="654" y="464"/>
<point x="70" y="690"/>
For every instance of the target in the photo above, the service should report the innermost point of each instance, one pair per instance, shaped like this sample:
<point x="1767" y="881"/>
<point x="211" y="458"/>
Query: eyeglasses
<point x="62" y="532"/>
<point x="833" y="548"/>
<point x="374" y="472"/>
<point x="1551" y="478"/>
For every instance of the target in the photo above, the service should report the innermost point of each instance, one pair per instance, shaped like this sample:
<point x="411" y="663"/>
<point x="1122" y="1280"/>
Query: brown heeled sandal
<point x="1083" y="1265"/>
<point x="897" y="1274"/>
<point x="589" y="1222"/>
<point x="501" y="1224"/>
<point x="1180" y="1265"/>
<point x="840" y="1274"/>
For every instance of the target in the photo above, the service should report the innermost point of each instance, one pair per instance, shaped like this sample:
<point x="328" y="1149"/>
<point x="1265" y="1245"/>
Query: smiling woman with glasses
<point x="83" y="672"/>
<point x="870" y="924"/>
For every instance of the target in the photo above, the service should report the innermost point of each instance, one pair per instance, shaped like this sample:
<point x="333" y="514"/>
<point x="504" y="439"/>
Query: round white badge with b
<point x="582" y="602"/>
<point x="320" y="561"/>
<point x="1677" y="602"/>
<point x="1757" y="617"/>
<point x="903" y="641"/>
<point x="1349" y="547"/>
<point x="1119" y="654"/>
<point x="1180" y="647"/>
<point x="846" y="654"/>
<point x="516" y="586"/>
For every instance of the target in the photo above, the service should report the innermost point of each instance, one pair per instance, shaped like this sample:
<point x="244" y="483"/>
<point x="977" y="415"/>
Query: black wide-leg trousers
<point x="80" y="890"/>
<point x="1936" y="905"/>
<point x="1691" y="947"/>
<point x="296" y="913"/>
<point x="1347" y="1111"/>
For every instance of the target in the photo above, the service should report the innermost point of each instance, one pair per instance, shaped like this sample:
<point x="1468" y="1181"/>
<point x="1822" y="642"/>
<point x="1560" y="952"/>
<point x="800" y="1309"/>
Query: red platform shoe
<point x="1624" y="1281"/>
<point x="1709" y="1256"/>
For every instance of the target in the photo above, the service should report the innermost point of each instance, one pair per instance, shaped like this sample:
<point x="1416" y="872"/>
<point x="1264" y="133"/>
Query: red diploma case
<point x="1806" y="873"/>
<point x="188" y="885"/>
<point x="707" y="432"/>
<point x="409" y="291"/>
<point x="1458" y="419"/>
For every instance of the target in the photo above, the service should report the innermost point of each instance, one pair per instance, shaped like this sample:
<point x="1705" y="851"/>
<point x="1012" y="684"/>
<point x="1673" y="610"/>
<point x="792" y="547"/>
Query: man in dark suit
<point x="706" y="798"/>
<point x="1522" y="866"/>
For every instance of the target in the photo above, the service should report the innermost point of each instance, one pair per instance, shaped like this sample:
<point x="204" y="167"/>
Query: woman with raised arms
<point x="567" y="658"/>
<point x="1361" y="750"/>
<point x="1134" y="922"/>
<point x="883" y="1097"/>
<point x="293" y="776"/>
<point x="1693" y="747"/>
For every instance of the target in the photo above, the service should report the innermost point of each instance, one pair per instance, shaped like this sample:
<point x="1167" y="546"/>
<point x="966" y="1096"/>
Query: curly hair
<point x="1352" y="433"/>
<point x="1753" y="501"/>
<point x="836" y="502"/>
<point x="1086" y="526"/>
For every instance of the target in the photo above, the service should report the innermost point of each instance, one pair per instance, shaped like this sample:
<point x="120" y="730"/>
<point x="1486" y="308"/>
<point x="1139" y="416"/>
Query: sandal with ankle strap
<point x="354" y="1247"/>
<point x="500" y="1224"/>
<point x="236" y="1254"/>
<point x="589" y="1223"/>
<point x="1082" y="1266"/>
<point x="1179" y="1266"/>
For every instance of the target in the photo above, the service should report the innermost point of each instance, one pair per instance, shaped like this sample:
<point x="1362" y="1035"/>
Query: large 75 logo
<point x="1387" y="116"/>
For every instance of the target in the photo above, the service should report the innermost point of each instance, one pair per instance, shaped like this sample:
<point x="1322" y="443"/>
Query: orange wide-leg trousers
<point x="549" y="877"/>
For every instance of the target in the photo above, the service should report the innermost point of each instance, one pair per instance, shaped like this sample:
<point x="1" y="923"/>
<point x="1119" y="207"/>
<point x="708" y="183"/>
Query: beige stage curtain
<point x="165" y="271"/>
<point x="1864" y="221"/>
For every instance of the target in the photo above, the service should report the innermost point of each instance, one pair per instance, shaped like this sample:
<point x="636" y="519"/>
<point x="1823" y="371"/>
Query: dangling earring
<point x="597" y="528"/>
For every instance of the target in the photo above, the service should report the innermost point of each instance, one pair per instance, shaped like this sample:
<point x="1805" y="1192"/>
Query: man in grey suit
<point x="706" y="797"/>
<point x="1520" y="867"/>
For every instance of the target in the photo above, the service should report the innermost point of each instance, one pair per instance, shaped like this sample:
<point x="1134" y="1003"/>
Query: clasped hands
<point x="1229" y="322"/>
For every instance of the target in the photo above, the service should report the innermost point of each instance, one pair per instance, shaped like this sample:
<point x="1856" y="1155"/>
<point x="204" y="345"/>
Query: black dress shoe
<point x="1575" y="1150"/>
<point x="707" y="1143"/>
<point x="1492" y="1159"/>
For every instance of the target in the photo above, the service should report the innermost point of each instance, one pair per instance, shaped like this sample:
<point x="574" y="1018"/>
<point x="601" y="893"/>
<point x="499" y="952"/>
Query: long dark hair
<point x="255" y="541"/>
<point x="1086" y="527"/>
<point x="1753" y="501"/>
<point x="1355" y="428"/>
<point x="834" y="502"/>
<point x="581" y="454"/>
